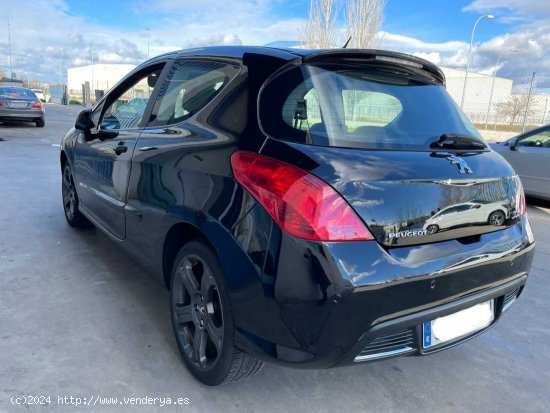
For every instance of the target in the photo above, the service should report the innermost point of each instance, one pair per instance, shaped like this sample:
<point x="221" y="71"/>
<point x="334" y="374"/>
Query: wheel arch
<point x="63" y="159"/>
<point x="177" y="236"/>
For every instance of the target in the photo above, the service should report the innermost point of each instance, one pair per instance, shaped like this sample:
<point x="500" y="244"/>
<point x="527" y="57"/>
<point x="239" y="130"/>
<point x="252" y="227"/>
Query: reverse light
<point x="37" y="105"/>
<point x="299" y="202"/>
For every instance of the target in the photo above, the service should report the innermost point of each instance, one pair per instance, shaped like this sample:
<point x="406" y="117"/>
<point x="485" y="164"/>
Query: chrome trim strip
<point x="507" y="305"/>
<point x="360" y="358"/>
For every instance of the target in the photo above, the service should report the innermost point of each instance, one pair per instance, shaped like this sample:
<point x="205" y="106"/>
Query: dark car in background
<point x="281" y="196"/>
<point x="529" y="155"/>
<point x="18" y="104"/>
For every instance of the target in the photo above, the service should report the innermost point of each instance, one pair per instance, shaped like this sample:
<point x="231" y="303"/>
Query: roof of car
<point x="288" y="54"/>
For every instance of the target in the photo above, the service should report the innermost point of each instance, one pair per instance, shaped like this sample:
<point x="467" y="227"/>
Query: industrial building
<point x="100" y="76"/>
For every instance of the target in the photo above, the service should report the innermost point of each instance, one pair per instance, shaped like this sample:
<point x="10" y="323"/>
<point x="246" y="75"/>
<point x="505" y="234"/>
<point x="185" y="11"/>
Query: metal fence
<point x="506" y="105"/>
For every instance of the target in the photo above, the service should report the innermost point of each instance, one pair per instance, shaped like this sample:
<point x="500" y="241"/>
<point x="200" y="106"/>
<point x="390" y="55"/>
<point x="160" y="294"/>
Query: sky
<point x="49" y="36"/>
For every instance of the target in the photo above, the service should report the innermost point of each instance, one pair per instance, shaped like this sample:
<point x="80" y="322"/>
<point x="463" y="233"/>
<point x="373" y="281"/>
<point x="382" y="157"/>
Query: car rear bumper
<point x="326" y="303"/>
<point x="21" y="114"/>
<point x="404" y="335"/>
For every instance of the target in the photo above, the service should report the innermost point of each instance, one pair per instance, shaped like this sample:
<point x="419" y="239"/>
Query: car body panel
<point x="396" y="194"/>
<point x="102" y="175"/>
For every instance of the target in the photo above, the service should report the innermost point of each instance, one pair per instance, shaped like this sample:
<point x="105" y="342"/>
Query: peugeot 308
<point x="291" y="200"/>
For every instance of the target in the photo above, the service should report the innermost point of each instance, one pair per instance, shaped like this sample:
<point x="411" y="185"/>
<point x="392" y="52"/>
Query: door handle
<point x="121" y="148"/>
<point x="148" y="148"/>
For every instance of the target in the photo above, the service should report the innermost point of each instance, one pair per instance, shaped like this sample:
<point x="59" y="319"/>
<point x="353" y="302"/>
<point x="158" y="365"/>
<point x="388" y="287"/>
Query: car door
<point x="103" y="157"/>
<point x="530" y="158"/>
<point x="179" y="159"/>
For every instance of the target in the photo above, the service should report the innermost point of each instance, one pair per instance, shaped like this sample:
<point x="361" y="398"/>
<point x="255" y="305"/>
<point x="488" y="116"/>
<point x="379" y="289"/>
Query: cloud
<point x="218" y="39"/>
<point x="452" y="53"/>
<point x="532" y="42"/>
<point x="433" y="57"/>
<point x="49" y="35"/>
<point x="512" y="10"/>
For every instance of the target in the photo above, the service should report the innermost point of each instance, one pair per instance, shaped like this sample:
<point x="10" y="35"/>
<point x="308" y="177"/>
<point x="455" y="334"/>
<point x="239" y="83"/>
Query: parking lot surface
<point x="79" y="318"/>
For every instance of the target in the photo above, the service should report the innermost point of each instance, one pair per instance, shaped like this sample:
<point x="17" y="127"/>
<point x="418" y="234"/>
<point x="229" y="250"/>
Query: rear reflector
<point x="299" y="202"/>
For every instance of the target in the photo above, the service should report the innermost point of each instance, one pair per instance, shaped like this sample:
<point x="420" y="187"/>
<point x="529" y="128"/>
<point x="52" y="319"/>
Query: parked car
<point x="21" y="105"/>
<point x="529" y="155"/>
<point x="39" y="94"/>
<point x="467" y="213"/>
<point x="263" y="189"/>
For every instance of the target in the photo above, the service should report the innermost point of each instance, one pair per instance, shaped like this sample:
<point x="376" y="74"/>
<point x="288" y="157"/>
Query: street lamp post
<point x="493" y="83"/>
<point x="490" y="17"/>
<point x="148" y="40"/>
<point x="92" y="93"/>
<point x="60" y="61"/>
<point x="9" y="45"/>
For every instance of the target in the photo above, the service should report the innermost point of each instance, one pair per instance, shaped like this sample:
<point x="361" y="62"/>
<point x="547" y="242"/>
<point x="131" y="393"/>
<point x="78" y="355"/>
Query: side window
<point x="190" y="86"/>
<point x="539" y="140"/>
<point x="96" y="114"/>
<point x="128" y="106"/>
<point x="364" y="108"/>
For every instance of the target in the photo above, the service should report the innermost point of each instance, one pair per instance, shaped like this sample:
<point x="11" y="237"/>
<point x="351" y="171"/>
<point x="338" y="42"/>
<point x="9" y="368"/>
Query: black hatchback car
<point x="313" y="208"/>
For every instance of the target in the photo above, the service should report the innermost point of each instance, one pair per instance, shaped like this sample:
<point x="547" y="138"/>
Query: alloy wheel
<point x="69" y="193"/>
<point x="197" y="312"/>
<point x="497" y="218"/>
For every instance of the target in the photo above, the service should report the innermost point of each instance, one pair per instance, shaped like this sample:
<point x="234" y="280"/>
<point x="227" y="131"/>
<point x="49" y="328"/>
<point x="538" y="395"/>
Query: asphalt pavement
<point x="79" y="318"/>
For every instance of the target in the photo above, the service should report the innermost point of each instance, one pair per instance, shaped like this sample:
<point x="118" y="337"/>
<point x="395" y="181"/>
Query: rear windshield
<point x="16" y="92"/>
<point x="359" y="106"/>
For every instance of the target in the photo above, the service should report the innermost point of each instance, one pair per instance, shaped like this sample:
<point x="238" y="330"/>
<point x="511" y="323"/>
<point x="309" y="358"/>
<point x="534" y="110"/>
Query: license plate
<point x="17" y="104"/>
<point x="457" y="325"/>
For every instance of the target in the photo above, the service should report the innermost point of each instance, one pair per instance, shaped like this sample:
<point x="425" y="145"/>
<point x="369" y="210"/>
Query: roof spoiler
<point x="400" y="59"/>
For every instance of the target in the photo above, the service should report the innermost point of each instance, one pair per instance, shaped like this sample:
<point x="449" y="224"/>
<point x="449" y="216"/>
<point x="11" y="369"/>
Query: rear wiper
<point x="457" y="141"/>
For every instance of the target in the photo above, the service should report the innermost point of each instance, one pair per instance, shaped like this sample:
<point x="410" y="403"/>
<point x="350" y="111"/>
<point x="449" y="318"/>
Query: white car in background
<point x="39" y="94"/>
<point x="493" y="213"/>
<point x="529" y="155"/>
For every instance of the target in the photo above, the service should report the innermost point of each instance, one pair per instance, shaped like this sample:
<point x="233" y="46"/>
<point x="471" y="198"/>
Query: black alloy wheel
<point x="202" y="318"/>
<point x="70" y="199"/>
<point x="198" y="311"/>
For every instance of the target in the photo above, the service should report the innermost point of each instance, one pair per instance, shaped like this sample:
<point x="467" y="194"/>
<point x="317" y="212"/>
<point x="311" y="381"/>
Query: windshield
<point x="360" y="105"/>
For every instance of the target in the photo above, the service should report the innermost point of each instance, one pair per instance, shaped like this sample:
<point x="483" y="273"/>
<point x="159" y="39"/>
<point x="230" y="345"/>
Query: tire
<point x="70" y="200"/>
<point x="40" y="123"/>
<point x="497" y="218"/>
<point x="432" y="229"/>
<point x="202" y="318"/>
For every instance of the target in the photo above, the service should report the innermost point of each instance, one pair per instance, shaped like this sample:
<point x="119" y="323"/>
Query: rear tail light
<point x="299" y="202"/>
<point x="2" y="103"/>
<point x="37" y="104"/>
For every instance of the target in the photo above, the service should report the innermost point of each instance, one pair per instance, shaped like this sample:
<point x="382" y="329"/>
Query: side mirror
<point x="512" y="143"/>
<point x="84" y="121"/>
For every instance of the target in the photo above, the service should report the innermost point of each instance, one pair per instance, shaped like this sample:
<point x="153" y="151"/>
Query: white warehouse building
<point x="101" y="76"/>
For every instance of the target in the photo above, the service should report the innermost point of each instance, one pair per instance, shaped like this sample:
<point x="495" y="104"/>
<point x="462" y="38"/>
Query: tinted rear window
<point x="16" y="92"/>
<point x="359" y="106"/>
